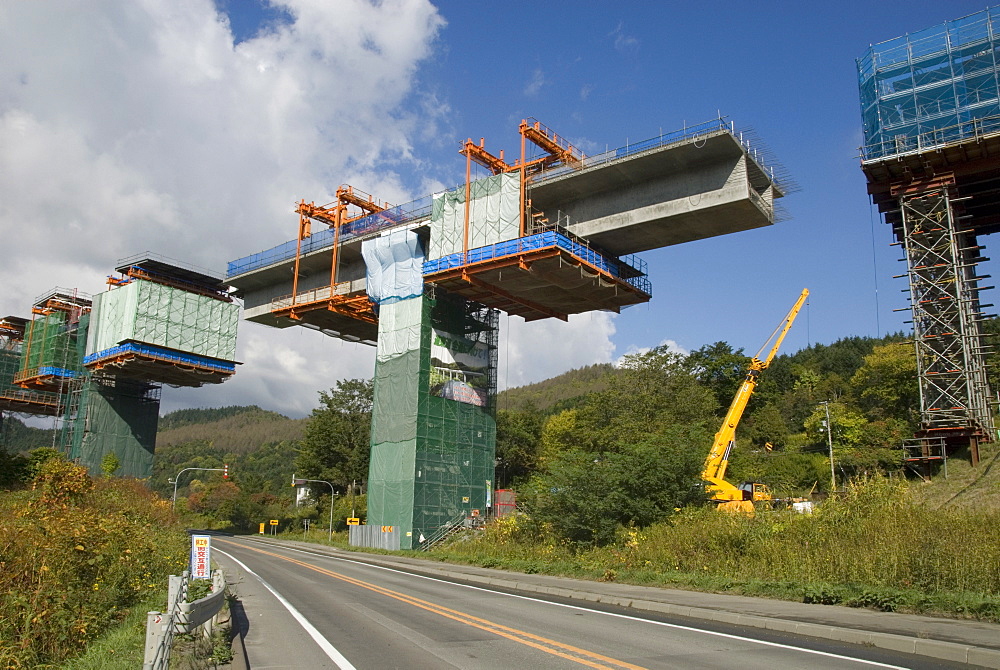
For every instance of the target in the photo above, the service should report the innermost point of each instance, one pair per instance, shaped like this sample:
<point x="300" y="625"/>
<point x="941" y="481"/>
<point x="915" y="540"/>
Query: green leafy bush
<point x="75" y="554"/>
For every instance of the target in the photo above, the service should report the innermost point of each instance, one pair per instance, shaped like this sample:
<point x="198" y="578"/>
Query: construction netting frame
<point x="433" y="449"/>
<point x="494" y="215"/>
<point x="930" y="87"/>
<point x="14" y="398"/>
<point x="113" y="415"/>
<point x="164" y="316"/>
<point x="54" y="345"/>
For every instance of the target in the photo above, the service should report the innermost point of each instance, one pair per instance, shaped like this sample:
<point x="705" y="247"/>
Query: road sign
<point x="274" y="522"/>
<point x="262" y="528"/>
<point x="386" y="529"/>
<point x="353" y="521"/>
<point x="201" y="557"/>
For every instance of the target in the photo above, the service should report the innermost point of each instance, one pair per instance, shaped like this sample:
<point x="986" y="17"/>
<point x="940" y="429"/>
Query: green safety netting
<point x="494" y="215"/>
<point x="53" y="344"/>
<point x="13" y="397"/>
<point x="152" y="313"/>
<point x="432" y="457"/>
<point x="113" y="415"/>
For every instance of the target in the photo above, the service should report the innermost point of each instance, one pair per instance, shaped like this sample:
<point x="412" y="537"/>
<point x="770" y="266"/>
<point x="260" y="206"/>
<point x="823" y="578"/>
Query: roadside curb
<point x="240" y="660"/>
<point x="946" y="651"/>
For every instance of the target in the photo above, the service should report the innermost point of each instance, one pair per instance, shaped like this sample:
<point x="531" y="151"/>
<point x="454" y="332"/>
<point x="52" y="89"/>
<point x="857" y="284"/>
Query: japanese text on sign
<point x="201" y="557"/>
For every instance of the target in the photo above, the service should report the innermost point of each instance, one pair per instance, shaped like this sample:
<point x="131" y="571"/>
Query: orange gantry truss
<point x="337" y="298"/>
<point x="532" y="281"/>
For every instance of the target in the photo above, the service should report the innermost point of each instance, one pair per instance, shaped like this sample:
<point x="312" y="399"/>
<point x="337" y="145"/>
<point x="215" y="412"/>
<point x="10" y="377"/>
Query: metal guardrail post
<point x="156" y="629"/>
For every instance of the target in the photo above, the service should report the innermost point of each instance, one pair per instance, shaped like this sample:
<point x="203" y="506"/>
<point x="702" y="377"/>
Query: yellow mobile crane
<point x="725" y="495"/>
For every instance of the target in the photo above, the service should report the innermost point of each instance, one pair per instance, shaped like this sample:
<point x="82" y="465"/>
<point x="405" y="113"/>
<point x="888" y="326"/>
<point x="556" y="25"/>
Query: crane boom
<point x="717" y="461"/>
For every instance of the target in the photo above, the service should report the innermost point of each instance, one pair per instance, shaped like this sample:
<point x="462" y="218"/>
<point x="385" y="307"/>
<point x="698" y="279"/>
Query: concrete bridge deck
<point x="677" y="188"/>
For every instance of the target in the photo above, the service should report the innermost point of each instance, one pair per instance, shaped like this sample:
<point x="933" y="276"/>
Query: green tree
<point x="337" y="441"/>
<point x="585" y="497"/>
<point x="655" y="391"/>
<point x="859" y="445"/>
<point x="765" y="426"/>
<point x="719" y="368"/>
<point x="110" y="464"/>
<point x="558" y="434"/>
<point x="519" y="436"/>
<point x="886" y="384"/>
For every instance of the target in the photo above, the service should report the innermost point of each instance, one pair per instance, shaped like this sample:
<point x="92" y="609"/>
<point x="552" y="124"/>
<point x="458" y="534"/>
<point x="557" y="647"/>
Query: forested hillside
<point x="558" y="391"/>
<point x="238" y="430"/>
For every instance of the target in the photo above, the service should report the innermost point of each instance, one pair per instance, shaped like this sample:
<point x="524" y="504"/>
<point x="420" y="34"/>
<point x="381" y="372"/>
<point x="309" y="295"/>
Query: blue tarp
<point x="56" y="372"/>
<point x="166" y="354"/>
<point x="613" y="267"/>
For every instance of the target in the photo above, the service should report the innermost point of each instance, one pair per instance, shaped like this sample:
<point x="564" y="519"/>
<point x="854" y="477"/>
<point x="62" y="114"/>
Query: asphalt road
<point x="307" y="610"/>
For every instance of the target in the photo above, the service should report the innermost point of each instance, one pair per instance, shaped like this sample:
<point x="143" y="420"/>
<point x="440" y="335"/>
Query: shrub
<point x="75" y="554"/>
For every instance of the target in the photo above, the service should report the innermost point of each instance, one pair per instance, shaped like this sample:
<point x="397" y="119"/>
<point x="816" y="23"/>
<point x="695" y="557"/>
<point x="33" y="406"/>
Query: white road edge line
<point x="611" y="614"/>
<point x="323" y="643"/>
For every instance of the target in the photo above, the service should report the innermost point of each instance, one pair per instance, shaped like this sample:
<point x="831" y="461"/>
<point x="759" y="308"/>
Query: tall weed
<point x="872" y="546"/>
<point x="75" y="554"/>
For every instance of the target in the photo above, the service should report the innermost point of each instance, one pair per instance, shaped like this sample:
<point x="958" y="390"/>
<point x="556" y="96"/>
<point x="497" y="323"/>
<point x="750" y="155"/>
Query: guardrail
<point x="180" y="617"/>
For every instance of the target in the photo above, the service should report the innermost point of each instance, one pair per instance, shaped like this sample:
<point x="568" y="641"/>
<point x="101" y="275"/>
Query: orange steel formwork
<point x="533" y="283"/>
<point x="14" y="398"/>
<point x="336" y="298"/>
<point x="49" y="377"/>
<point x="539" y="283"/>
<point x="350" y="205"/>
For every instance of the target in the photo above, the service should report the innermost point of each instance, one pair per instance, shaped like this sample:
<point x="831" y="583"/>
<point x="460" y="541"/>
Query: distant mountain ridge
<point x="235" y="429"/>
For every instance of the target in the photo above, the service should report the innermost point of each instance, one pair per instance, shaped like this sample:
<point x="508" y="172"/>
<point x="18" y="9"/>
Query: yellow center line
<point x="582" y="656"/>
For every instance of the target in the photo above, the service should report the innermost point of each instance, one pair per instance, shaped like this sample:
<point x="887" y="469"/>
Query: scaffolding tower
<point x="13" y="397"/>
<point x="930" y="102"/>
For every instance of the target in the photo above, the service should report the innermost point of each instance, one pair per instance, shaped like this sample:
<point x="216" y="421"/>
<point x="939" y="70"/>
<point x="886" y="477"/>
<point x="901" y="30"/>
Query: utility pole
<point x="296" y="481"/>
<point x="829" y="440"/>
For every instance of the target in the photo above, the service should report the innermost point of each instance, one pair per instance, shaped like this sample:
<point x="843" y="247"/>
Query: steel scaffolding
<point x="941" y="261"/>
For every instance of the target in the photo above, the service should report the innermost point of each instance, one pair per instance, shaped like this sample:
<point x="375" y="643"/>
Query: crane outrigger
<point x="727" y="496"/>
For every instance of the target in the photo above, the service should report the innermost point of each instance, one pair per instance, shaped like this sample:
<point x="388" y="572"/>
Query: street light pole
<point x="173" y="499"/>
<point x="829" y="440"/>
<point x="299" y="482"/>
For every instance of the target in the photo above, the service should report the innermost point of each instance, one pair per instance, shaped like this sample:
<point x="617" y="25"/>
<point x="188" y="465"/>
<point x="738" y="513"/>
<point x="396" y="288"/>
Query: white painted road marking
<point x="323" y="643"/>
<point x="612" y="614"/>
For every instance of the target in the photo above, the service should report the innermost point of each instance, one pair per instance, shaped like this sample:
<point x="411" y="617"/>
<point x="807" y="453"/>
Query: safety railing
<point x="686" y="133"/>
<point x="443" y="532"/>
<point x="45" y="371"/>
<point x="319" y="294"/>
<point x="421" y="208"/>
<point x="387" y="218"/>
<point x="180" y="617"/>
<point x="908" y="143"/>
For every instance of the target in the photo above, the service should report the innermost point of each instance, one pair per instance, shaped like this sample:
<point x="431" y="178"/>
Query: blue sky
<point x="603" y="74"/>
<point x="190" y="127"/>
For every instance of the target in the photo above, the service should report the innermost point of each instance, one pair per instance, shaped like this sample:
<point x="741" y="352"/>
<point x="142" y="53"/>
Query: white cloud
<point x="535" y="84"/>
<point x="127" y="127"/>
<point x="633" y="350"/>
<point x="536" y="350"/>
<point x="623" y="42"/>
<point x="282" y="370"/>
